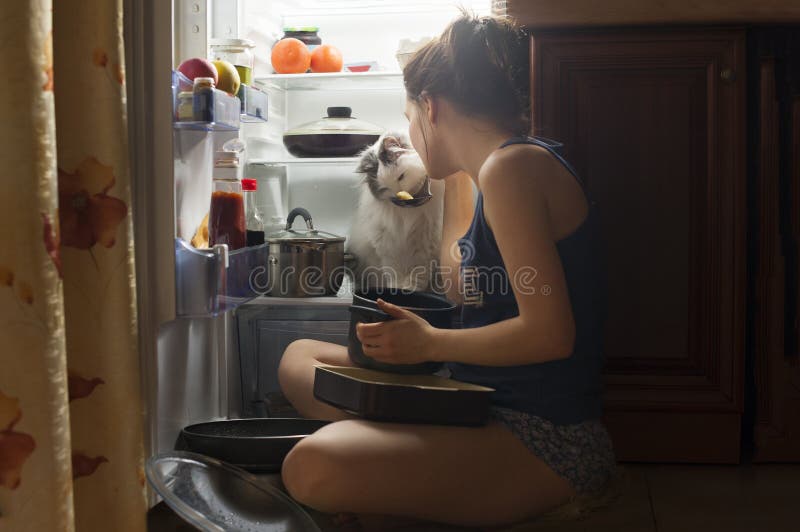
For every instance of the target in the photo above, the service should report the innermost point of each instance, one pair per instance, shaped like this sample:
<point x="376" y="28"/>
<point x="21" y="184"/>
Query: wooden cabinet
<point x="689" y="142"/>
<point x="654" y="122"/>
<point x="775" y="237"/>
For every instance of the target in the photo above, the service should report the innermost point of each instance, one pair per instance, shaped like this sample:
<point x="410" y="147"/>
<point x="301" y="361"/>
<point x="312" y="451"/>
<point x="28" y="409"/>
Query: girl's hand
<point x="407" y="339"/>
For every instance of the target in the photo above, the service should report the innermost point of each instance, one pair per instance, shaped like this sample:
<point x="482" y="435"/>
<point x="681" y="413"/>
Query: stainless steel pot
<point x="304" y="263"/>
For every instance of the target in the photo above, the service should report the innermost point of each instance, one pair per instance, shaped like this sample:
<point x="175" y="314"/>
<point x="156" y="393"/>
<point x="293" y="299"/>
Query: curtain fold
<point x="71" y="428"/>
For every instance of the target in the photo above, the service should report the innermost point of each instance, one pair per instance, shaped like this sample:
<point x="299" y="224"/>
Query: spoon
<point x="422" y="197"/>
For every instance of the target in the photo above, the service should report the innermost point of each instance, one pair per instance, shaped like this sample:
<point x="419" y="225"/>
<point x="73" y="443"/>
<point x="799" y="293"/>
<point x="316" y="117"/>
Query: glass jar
<point x="226" y="221"/>
<point x="306" y="34"/>
<point x="203" y="99"/>
<point x="238" y="52"/>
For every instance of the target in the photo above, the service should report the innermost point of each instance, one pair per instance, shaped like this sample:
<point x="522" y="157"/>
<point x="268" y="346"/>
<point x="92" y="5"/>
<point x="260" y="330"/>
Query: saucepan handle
<point x="299" y="211"/>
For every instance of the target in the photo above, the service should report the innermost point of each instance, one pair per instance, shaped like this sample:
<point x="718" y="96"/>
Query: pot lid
<point x="213" y="495"/>
<point x="309" y="235"/>
<point x="233" y="43"/>
<point x="338" y="122"/>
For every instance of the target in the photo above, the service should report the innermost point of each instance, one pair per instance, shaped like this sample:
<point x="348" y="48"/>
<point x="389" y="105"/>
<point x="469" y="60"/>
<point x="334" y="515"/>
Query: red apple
<point x="198" y="67"/>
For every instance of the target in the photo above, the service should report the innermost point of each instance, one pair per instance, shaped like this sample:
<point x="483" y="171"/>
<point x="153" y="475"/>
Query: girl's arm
<point x="458" y="210"/>
<point x="517" y="211"/>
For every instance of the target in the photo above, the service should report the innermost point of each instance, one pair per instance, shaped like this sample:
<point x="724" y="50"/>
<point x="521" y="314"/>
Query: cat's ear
<point x="368" y="164"/>
<point x="391" y="142"/>
<point x="391" y="148"/>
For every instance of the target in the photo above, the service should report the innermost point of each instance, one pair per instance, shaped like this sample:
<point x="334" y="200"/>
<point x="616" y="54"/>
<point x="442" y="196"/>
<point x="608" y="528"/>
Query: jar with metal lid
<point x="238" y="52"/>
<point x="306" y="34"/>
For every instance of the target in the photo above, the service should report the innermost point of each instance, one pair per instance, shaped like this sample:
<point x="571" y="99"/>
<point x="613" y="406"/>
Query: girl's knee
<point x="292" y="356"/>
<point x="309" y="476"/>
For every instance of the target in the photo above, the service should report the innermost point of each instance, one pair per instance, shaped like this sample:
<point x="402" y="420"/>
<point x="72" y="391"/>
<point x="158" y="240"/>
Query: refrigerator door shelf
<point x="255" y="104"/>
<point x="211" y="281"/>
<point x="208" y="110"/>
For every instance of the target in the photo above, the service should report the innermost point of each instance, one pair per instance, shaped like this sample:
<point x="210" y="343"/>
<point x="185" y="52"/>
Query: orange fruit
<point x="326" y="58"/>
<point x="290" y="56"/>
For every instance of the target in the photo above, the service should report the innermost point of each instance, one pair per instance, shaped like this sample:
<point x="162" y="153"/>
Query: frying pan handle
<point x="368" y="315"/>
<point x="299" y="211"/>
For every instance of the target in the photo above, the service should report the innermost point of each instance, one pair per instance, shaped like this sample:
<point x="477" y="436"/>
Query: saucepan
<point x="435" y="309"/>
<point x="304" y="263"/>
<point x="258" y="445"/>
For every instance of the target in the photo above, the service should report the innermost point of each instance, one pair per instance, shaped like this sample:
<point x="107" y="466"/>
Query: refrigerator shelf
<point x="209" y="282"/>
<point x="205" y="126"/>
<point x="379" y="80"/>
<point x="349" y="161"/>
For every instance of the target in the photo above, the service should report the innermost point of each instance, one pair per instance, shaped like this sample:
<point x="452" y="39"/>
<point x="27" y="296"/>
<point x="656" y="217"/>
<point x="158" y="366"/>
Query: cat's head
<point x="391" y="165"/>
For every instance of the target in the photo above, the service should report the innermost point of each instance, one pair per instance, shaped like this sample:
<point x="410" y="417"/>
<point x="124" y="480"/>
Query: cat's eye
<point x="401" y="176"/>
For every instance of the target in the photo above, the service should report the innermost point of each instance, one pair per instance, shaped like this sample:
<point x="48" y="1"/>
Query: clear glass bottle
<point x="254" y="221"/>
<point x="226" y="221"/>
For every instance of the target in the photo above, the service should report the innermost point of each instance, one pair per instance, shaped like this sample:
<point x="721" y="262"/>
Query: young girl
<point x="526" y="262"/>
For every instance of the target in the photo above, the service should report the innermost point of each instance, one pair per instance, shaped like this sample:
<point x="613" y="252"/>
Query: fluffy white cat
<point x="395" y="246"/>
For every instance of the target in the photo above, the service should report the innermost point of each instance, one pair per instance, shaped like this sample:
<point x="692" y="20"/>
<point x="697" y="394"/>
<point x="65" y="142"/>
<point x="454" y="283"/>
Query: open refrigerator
<point x="210" y="349"/>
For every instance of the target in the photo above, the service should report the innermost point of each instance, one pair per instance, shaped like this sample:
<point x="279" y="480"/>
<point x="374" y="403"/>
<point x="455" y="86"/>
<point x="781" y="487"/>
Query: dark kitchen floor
<point x="652" y="498"/>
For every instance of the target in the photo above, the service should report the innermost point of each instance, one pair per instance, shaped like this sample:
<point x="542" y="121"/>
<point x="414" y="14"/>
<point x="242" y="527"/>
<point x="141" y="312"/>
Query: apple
<point x="197" y="67"/>
<point x="229" y="80"/>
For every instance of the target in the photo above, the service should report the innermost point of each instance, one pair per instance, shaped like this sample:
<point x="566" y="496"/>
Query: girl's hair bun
<point x="481" y="64"/>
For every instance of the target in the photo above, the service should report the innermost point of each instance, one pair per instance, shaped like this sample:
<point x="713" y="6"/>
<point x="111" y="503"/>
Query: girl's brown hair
<point x="481" y="65"/>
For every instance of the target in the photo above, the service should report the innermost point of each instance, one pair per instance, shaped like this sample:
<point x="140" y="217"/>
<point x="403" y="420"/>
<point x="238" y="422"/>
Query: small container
<point x="254" y="222"/>
<point x="203" y="99"/>
<point x="306" y="34"/>
<point x="238" y="52"/>
<point x="185" y="106"/>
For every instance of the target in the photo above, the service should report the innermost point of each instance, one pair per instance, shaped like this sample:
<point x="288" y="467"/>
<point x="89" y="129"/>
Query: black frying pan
<point x="258" y="445"/>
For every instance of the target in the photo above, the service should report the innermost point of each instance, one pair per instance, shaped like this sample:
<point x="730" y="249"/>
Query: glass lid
<point x="308" y="235"/>
<point x="338" y="122"/>
<point x="215" y="496"/>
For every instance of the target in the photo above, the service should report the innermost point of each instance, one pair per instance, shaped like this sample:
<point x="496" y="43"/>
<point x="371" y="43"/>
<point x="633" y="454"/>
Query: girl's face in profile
<point x="426" y="142"/>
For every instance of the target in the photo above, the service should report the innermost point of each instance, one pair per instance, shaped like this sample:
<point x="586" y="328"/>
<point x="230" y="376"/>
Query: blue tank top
<point x="562" y="391"/>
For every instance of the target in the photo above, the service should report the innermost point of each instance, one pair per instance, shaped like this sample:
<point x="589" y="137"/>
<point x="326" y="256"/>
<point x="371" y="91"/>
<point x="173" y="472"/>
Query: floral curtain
<point x="71" y="429"/>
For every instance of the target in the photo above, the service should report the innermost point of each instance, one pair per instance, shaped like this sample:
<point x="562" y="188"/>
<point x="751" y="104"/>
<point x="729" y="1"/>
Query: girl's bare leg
<point x="474" y="476"/>
<point x="296" y="376"/>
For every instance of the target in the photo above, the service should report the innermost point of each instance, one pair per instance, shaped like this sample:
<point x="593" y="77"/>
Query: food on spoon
<point x="403" y="195"/>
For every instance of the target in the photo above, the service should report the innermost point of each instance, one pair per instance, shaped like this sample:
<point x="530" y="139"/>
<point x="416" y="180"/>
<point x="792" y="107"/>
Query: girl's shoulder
<point x="521" y="164"/>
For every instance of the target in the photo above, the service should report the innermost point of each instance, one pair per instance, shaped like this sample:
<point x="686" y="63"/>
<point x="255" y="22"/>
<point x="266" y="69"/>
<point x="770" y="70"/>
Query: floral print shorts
<point x="581" y="453"/>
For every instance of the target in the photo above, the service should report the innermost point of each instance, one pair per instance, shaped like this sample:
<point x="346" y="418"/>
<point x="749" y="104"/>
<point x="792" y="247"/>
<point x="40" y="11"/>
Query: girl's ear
<point x="430" y="106"/>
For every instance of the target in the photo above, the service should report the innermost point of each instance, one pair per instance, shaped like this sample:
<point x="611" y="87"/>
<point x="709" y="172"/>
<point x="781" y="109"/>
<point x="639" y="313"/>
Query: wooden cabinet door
<point x="654" y="122"/>
<point x="775" y="234"/>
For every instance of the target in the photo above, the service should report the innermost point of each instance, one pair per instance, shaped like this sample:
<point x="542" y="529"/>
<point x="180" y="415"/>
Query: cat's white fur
<point x="396" y="246"/>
